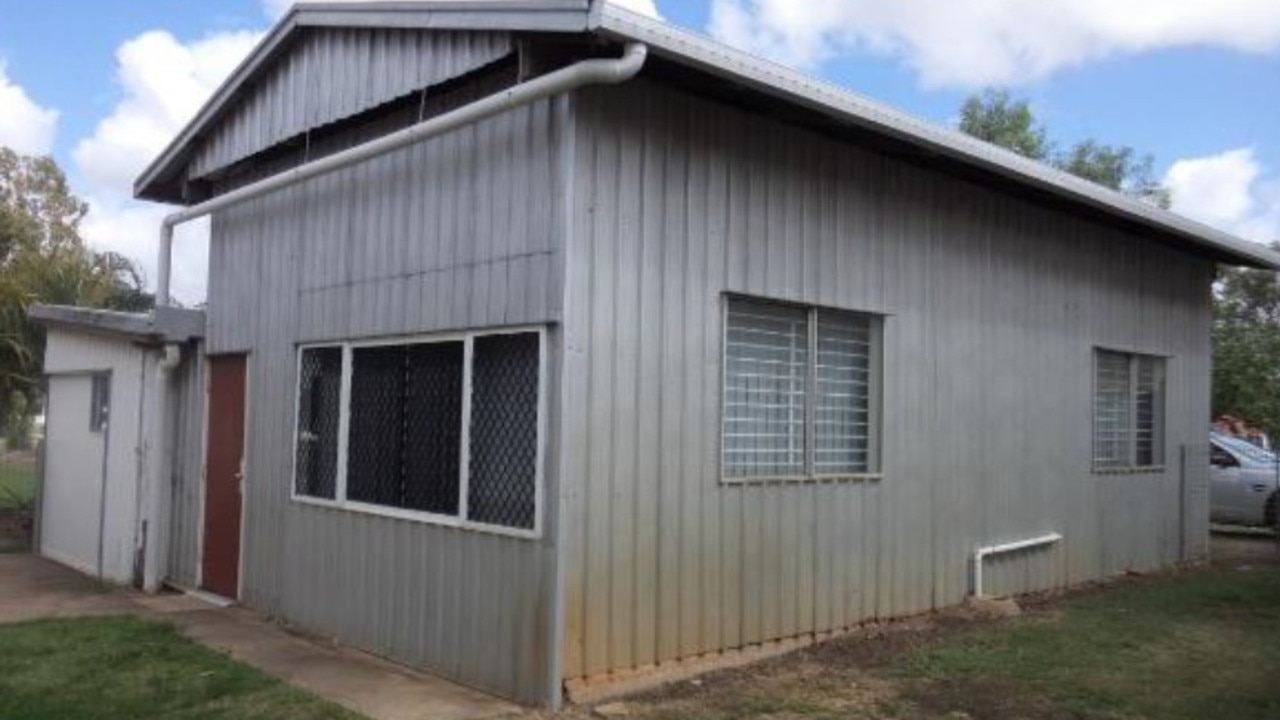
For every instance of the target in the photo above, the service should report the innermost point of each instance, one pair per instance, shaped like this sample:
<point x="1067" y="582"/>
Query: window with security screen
<point x="800" y="392"/>
<point x="1128" y="411"/>
<point x="442" y="429"/>
<point x="319" y="388"/>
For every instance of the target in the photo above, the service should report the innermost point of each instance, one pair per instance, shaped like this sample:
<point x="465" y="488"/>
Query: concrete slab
<point x="32" y="587"/>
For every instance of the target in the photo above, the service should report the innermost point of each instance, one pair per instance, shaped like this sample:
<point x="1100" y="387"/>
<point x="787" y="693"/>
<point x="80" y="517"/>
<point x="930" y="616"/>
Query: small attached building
<point x="102" y="424"/>
<point x="663" y="365"/>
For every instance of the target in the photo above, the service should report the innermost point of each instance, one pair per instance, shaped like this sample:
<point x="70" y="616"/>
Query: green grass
<point x="127" y="668"/>
<point x="17" y="485"/>
<point x="1183" y="646"/>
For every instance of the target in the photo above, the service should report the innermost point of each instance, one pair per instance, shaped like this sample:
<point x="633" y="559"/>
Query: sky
<point x="104" y="85"/>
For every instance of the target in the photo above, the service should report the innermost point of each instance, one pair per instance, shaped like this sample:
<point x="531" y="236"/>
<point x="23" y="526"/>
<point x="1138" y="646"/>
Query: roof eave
<point x="162" y="325"/>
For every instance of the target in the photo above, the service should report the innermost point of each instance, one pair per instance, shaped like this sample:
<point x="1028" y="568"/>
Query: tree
<point x="44" y="260"/>
<point x="1000" y="120"/>
<point x="994" y="116"/>
<point x="1246" y="346"/>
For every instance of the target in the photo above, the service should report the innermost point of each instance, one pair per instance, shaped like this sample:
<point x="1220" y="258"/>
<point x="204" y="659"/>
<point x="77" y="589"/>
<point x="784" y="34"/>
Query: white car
<point x="1244" y="482"/>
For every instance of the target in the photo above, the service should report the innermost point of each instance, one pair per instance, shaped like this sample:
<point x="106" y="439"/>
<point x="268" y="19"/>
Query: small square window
<point x="99" y="402"/>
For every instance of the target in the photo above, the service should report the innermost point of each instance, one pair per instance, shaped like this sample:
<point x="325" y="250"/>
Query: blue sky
<point x="104" y="84"/>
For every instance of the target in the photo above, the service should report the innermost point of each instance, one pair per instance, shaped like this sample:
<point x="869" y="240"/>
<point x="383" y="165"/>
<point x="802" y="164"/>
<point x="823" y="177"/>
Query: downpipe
<point x="155" y="527"/>
<point x="599" y="71"/>
<point x="566" y="79"/>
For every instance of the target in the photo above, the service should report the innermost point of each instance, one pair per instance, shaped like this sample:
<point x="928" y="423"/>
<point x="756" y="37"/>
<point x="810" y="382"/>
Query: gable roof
<point x="693" y="52"/>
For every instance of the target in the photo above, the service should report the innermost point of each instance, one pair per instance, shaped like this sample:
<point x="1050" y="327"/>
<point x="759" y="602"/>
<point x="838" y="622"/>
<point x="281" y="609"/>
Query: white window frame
<point x="340" y="501"/>
<point x="874" y="407"/>
<point x="1131" y="467"/>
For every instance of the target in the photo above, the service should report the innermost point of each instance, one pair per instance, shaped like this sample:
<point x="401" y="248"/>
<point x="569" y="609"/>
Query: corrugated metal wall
<point x="333" y="73"/>
<point x="994" y="307"/>
<point x="186" y="449"/>
<point x="460" y="232"/>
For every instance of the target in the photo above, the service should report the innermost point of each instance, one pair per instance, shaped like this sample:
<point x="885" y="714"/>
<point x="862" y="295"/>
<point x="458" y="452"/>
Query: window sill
<point x="418" y="516"/>
<point x="1149" y="470"/>
<point x="803" y="479"/>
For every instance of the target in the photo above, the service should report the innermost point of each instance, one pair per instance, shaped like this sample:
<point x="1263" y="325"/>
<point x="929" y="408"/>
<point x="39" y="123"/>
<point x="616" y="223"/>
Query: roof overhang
<point x="732" y="67"/>
<point x="162" y="325"/>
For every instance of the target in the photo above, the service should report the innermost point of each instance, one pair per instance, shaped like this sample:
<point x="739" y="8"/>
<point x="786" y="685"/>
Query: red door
<point x="224" y="467"/>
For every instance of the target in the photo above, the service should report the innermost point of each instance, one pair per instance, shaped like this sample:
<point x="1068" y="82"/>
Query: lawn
<point x="127" y="668"/>
<point x="17" y="484"/>
<point x="1184" y="645"/>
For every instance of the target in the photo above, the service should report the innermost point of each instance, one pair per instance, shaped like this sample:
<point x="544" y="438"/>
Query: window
<point x="442" y="429"/>
<point x="1128" y="411"/>
<point x="99" y="402"/>
<point x="800" y="392"/>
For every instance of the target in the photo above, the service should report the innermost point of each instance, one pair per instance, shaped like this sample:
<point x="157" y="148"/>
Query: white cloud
<point x="990" y="41"/>
<point x="1229" y="191"/>
<point x="25" y="127"/>
<point x="164" y="83"/>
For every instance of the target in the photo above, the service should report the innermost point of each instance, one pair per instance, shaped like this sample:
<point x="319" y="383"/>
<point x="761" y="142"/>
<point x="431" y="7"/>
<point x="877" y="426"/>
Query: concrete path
<point x="31" y="587"/>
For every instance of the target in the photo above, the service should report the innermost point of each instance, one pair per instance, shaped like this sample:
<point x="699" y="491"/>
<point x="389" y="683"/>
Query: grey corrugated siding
<point x="334" y="73"/>
<point x="994" y="307"/>
<point x="186" y="423"/>
<point x="460" y="232"/>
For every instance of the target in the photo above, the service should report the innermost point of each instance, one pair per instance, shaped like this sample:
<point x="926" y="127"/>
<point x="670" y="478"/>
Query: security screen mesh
<point x="842" y="401"/>
<point x="319" y="390"/>
<point x="504" y="430"/>
<point x="1112" y="424"/>
<point x="765" y="383"/>
<point x="1128" y="407"/>
<point x="405" y="424"/>
<point x="1149" y="427"/>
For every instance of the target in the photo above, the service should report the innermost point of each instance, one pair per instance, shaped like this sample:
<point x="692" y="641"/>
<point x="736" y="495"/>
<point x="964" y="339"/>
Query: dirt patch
<point x="1245" y="547"/>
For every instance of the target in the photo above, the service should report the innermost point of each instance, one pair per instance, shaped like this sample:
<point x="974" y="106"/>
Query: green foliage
<point x="44" y="260"/>
<point x="129" y="668"/>
<point x="1246" y="344"/>
<point x="996" y="117"/>
<point x="1185" y="646"/>
<point x="1000" y="120"/>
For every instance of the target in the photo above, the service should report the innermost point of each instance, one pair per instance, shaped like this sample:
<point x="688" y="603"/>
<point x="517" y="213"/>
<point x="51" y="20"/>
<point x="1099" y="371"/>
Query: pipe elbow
<point x="172" y="356"/>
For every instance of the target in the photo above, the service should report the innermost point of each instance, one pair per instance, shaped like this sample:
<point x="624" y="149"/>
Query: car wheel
<point x="1269" y="510"/>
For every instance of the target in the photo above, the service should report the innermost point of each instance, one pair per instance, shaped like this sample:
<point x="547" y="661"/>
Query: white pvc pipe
<point x="580" y="74"/>
<point x="158" y="495"/>
<point x="983" y="553"/>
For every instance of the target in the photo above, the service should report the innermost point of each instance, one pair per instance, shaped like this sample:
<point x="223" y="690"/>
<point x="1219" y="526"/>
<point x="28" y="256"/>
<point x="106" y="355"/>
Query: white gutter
<point x="580" y="74"/>
<point x="983" y="553"/>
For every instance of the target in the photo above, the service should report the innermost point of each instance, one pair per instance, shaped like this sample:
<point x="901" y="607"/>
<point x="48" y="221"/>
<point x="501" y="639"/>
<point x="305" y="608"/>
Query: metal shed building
<point x="552" y="366"/>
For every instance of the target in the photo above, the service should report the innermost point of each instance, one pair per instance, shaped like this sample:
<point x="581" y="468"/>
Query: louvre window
<point x="440" y="429"/>
<point x="1128" y="412"/>
<point x="799" y="392"/>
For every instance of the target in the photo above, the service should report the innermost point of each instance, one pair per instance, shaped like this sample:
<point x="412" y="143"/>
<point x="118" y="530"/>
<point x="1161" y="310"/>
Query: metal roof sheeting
<point x="696" y="52"/>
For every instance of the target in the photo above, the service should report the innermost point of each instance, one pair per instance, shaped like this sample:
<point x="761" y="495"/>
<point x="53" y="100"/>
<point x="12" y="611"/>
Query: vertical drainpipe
<point x="155" y="525"/>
